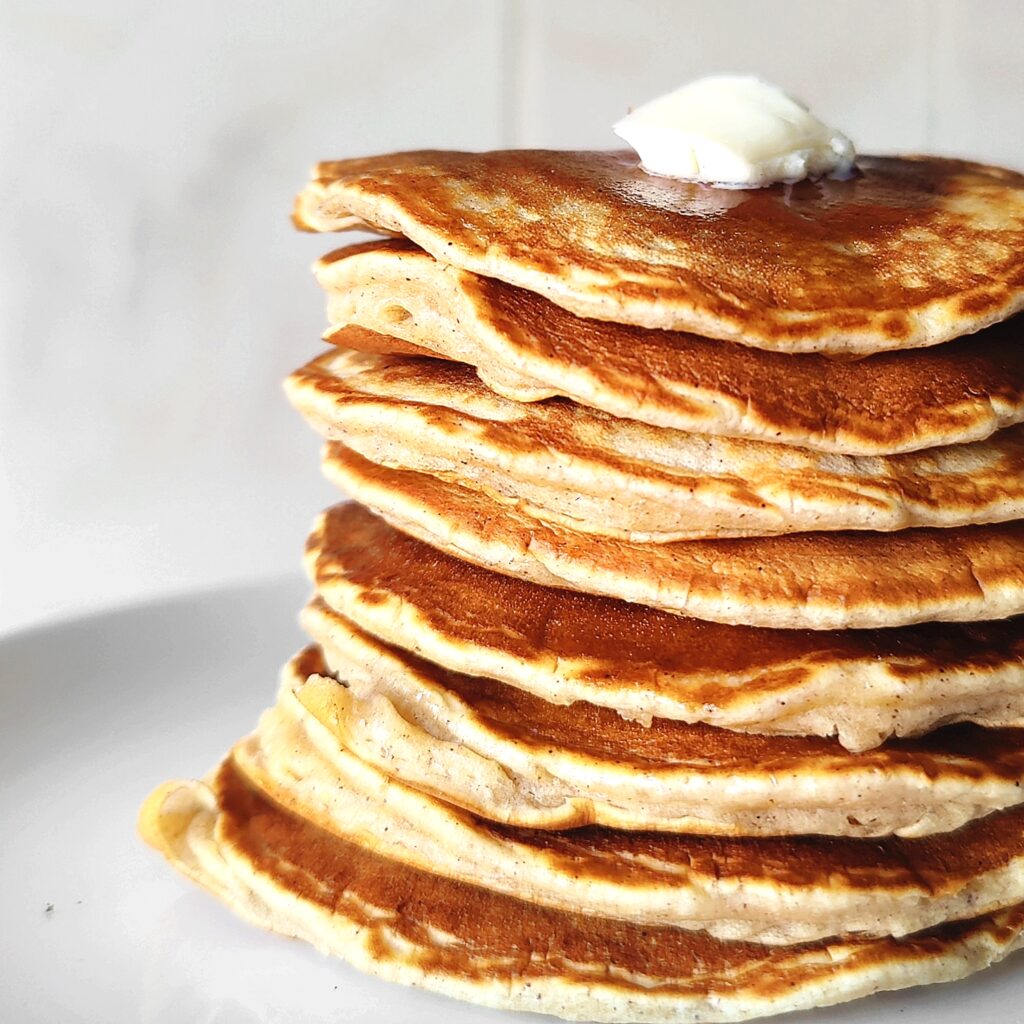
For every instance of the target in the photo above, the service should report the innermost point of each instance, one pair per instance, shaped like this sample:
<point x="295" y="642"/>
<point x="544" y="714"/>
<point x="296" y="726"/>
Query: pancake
<point x="404" y="925"/>
<point x="565" y="464"/>
<point x="778" y="891"/>
<point x="526" y="348"/>
<point x="511" y="757"/>
<point x="843" y="580"/>
<point x="860" y="685"/>
<point x="911" y="251"/>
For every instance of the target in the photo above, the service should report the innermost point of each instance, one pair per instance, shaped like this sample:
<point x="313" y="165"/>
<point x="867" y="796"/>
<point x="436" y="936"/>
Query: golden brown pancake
<point x="843" y="580"/>
<point x="526" y="348"/>
<point x="565" y="464"/>
<point x="860" y="685"/>
<point x="911" y="251"/>
<point x="779" y="891"/>
<point x="405" y="925"/>
<point x="509" y="756"/>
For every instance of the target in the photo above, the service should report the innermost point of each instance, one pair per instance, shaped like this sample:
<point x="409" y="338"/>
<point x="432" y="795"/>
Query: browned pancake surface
<point x="965" y="751"/>
<point x="844" y="579"/>
<point x="885" y="403"/>
<point x="862" y="685"/>
<point x="483" y="929"/>
<point x="938" y="863"/>
<point x="630" y="644"/>
<point x="561" y="462"/>
<point x="910" y="252"/>
<point x="933" y="865"/>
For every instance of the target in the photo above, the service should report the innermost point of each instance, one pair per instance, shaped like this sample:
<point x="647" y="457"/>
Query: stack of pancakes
<point x="669" y="663"/>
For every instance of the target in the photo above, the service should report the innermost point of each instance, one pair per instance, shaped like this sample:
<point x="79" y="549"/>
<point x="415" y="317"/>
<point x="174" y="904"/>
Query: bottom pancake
<point x="405" y="925"/>
<point x="777" y="891"/>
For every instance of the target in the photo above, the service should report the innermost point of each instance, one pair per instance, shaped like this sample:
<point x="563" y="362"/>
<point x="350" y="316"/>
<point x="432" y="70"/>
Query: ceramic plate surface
<point x="94" y="927"/>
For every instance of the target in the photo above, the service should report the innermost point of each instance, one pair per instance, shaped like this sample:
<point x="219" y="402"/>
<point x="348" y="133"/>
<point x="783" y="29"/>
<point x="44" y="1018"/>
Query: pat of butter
<point x="734" y="131"/>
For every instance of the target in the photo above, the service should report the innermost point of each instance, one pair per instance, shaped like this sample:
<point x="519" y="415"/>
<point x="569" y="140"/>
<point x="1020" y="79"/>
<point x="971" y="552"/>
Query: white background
<point x="152" y="292"/>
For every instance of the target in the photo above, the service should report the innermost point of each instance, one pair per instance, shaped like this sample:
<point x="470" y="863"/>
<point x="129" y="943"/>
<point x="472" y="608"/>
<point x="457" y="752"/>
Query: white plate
<point x="94" y="927"/>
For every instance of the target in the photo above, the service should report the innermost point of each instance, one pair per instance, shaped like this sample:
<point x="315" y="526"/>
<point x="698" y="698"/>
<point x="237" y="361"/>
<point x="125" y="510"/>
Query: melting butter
<point x="734" y="131"/>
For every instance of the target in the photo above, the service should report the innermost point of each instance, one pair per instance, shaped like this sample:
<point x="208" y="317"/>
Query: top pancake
<point x="527" y="349"/>
<point x="910" y="252"/>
